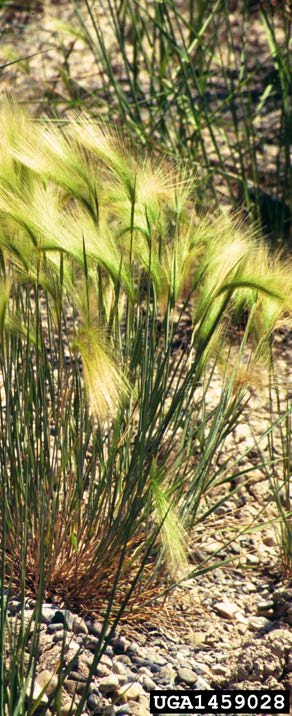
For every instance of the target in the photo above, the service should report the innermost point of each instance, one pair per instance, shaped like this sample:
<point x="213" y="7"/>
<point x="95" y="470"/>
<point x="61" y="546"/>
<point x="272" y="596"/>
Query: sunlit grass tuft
<point x="109" y="443"/>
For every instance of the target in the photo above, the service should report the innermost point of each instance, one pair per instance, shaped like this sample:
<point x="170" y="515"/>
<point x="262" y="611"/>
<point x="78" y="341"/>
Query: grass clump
<point x="108" y="444"/>
<point x="97" y="251"/>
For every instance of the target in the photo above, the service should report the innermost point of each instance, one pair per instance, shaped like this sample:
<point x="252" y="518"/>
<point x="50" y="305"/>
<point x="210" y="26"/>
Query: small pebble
<point x="188" y="676"/>
<point x="77" y="676"/>
<point x="138" y="709"/>
<point x="226" y="609"/>
<point x="264" y="606"/>
<point x="199" y="667"/>
<point x="94" y="628"/>
<point x="102" y="670"/>
<point x="36" y="692"/>
<point x="119" y="644"/>
<point x="53" y="628"/>
<point x="147" y="683"/>
<point x="79" y="626"/>
<point x="202" y="685"/>
<point x="269" y="539"/>
<point x="95" y="703"/>
<point x="48" y="613"/>
<point x="108" y="684"/>
<point x="71" y="687"/>
<point x="129" y="691"/>
<point x="119" y="668"/>
<point x="123" y="658"/>
<point x="252" y="559"/>
<point x="259" y="624"/>
<point x="48" y="679"/>
<point x="219" y="669"/>
<point x="133" y="648"/>
<point x="65" y="617"/>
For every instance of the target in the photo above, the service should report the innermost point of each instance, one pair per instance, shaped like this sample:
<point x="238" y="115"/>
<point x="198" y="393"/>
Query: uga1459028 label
<point x="229" y="702"/>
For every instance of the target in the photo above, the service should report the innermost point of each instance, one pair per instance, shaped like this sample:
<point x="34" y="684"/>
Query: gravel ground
<point x="239" y="636"/>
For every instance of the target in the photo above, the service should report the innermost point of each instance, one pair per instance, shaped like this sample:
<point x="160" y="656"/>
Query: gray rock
<point x="138" y="709"/>
<point x="259" y="624"/>
<point x="94" y="628"/>
<point x="199" y="667"/>
<point x="102" y="670"/>
<point x="79" y="626"/>
<point x="156" y="658"/>
<point x="133" y="649"/>
<point x="226" y="609"/>
<point x="36" y="692"/>
<point x="97" y="704"/>
<point x="48" y="613"/>
<point x="167" y="676"/>
<point x="77" y="676"/>
<point x="108" y="684"/>
<point x="119" y="644"/>
<point x="92" y="643"/>
<point x="188" y="676"/>
<point x="155" y="668"/>
<point x="219" y="670"/>
<point x="264" y="606"/>
<point x="147" y="683"/>
<point x="53" y="628"/>
<point x="202" y="685"/>
<point x="123" y="658"/>
<point x="129" y="692"/>
<point x="71" y="687"/>
<point x="48" y="680"/>
<point x="119" y="668"/>
<point x="63" y="616"/>
<point x="131" y="677"/>
<point x="252" y="559"/>
<point x="145" y="670"/>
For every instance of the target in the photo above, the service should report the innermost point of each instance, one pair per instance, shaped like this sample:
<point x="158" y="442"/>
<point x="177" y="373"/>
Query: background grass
<point x="187" y="78"/>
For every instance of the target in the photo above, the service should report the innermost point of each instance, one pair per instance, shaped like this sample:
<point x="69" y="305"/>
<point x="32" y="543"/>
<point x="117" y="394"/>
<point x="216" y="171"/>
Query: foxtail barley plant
<point x="108" y="450"/>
